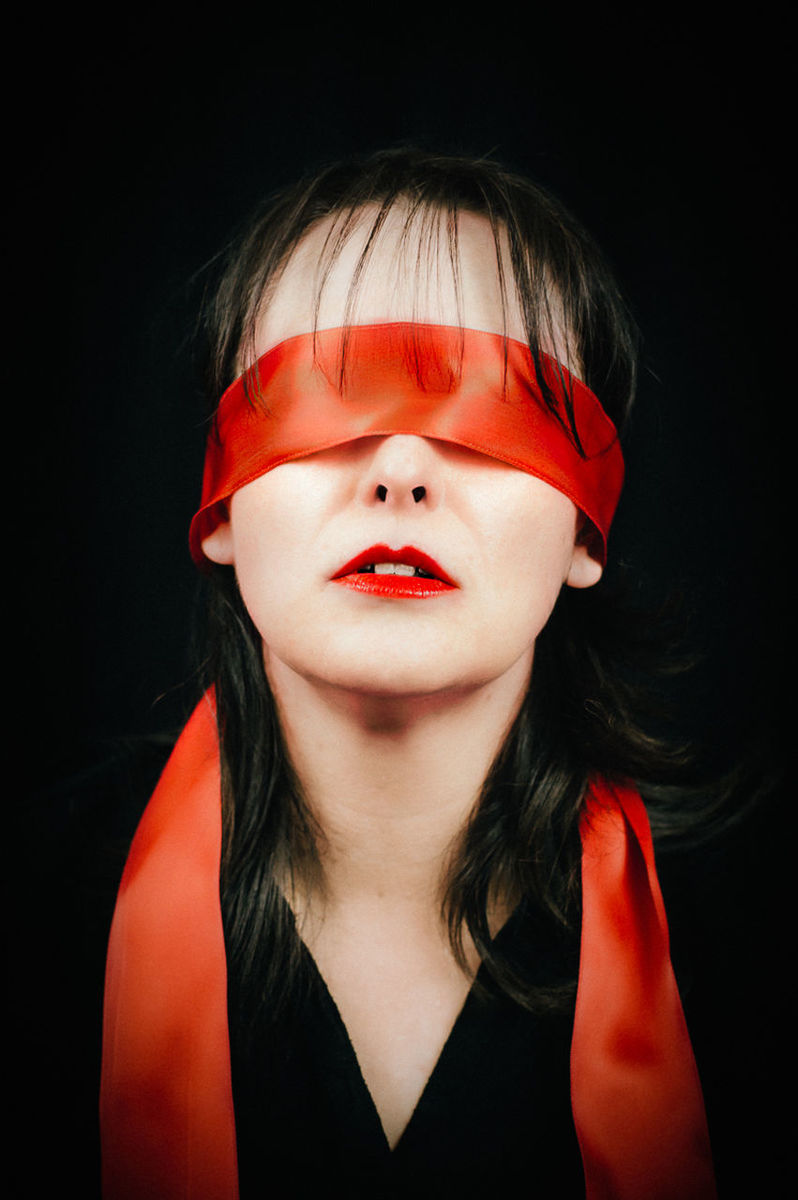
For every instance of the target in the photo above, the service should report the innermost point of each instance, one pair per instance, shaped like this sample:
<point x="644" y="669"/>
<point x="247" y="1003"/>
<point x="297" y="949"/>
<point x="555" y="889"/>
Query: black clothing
<point x="495" y="1109"/>
<point x="497" y="1105"/>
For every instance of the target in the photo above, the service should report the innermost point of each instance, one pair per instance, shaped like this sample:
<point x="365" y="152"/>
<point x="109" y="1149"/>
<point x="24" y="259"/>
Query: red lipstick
<point x="370" y="572"/>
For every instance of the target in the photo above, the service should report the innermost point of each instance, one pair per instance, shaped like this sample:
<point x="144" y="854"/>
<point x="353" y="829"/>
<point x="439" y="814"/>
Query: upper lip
<point x="384" y="554"/>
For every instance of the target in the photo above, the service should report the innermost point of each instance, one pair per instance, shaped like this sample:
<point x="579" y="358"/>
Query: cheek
<point x="267" y="549"/>
<point x="531" y="528"/>
<point x="533" y="555"/>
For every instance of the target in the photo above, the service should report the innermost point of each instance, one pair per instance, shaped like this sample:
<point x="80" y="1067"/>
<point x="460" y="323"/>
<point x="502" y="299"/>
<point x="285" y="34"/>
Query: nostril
<point x="418" y="493"/>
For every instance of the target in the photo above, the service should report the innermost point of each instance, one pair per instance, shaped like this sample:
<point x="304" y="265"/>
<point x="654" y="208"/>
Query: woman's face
<point x="306" y="537"/>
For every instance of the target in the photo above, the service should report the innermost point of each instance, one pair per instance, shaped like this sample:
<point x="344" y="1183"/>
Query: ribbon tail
<point x="166" y="1104"/>
<point x="636" y="1096"/>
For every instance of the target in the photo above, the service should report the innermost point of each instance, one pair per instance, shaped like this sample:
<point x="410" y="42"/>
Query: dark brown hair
<point x="588" y="703"/>
<point x="560" y="276"/>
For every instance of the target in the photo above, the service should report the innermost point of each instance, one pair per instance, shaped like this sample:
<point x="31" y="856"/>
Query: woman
<point x="440" y="958"/>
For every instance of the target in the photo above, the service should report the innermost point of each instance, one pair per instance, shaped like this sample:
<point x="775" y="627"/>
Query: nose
<point x="404" y="471"/>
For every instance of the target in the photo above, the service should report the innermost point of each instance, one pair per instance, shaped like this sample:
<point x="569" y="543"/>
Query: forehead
<point x="413" y="271"/>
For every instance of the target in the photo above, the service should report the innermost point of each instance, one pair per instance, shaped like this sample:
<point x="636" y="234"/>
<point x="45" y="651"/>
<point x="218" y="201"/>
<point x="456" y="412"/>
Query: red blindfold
<point x="473" y="389"/>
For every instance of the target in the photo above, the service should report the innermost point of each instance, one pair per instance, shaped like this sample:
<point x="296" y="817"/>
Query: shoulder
<point x="72" y="846"/>
<point x="725" y="892"/>
<point x="84" y="823"/>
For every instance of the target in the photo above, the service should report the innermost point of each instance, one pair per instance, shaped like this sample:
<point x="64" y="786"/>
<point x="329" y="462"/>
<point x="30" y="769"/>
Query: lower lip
<point x="395" y="587"/>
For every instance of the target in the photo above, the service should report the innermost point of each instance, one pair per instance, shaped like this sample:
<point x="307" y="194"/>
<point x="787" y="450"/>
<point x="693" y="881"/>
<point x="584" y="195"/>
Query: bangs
<point x="555" y="292"/>
<point x="420" y="244"/>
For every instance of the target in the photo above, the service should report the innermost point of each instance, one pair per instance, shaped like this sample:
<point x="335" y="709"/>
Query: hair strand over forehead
<point x="566" y="292"/>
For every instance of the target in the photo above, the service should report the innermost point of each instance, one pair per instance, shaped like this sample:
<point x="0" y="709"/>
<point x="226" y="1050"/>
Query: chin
<point x="391" y="678"/>
<point x="397" y="664"/>
<point x="399" y="677"/>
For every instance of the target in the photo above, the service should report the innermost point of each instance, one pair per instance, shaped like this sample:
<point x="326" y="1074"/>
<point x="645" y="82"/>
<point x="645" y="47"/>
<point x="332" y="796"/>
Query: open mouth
<point x="401" y="574"/>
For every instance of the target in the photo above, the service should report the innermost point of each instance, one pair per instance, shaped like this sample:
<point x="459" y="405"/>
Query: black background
<point x="134" y="151"/>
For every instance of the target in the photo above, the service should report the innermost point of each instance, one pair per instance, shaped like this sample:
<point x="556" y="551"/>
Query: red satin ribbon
<point x="167" y="1119"/>
<point x="635" y="1093"/>
<point x="166" y="1099"/>
<point x="475" y="389"/>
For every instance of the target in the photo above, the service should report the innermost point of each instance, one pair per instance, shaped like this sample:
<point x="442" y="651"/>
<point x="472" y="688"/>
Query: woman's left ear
<point x="218" y="546"/>
<point x="584" y="570"/>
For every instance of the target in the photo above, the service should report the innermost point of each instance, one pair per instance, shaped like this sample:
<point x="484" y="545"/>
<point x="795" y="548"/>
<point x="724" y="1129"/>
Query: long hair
<point x="588" y="707"/>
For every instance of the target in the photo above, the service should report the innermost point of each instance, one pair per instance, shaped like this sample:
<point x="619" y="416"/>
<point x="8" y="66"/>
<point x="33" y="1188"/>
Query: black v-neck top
<point x="495" y="1116"/>
<point x="495" y="1109"/>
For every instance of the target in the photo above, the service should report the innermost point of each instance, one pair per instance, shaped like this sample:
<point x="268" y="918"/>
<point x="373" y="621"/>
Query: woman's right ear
<point x="218" y="546"/>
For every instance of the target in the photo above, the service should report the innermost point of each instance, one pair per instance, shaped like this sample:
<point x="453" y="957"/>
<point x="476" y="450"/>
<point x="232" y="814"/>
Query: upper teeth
<point x="387" y="568"/>
<point x="394" y="569"/>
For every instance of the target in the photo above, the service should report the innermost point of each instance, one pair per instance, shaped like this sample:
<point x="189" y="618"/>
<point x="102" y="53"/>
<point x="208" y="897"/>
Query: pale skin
<point x="393" y="710"/>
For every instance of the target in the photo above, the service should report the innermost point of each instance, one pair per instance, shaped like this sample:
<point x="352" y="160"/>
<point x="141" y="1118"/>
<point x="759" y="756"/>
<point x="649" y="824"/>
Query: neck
<point x="391" y="781"/>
